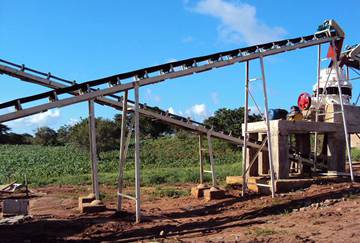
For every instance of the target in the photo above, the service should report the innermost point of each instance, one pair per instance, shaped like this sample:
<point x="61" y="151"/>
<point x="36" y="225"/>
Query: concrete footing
<point x="198" y="191"/>
<point x="282" y="185"/>
<point x="89" y="204"/>
<point x="214" y="193"/>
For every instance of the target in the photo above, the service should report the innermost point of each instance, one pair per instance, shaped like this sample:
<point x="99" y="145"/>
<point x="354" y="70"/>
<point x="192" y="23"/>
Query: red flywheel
<point x="304" y="101"/>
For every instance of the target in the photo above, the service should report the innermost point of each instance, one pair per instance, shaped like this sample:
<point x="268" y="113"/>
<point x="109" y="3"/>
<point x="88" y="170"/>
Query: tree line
<point x="108" y="130"/>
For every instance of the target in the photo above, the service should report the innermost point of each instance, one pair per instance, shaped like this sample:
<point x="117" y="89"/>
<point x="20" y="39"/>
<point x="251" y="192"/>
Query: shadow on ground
<point x="112" y="227"/>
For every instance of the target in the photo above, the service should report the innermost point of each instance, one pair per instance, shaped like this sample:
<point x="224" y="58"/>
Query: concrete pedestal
<point x="198" y="191"/>
<point x="336" y="146"/>
<point x="214" y="193"/>
<point x="251" y="152"/>
<point x="263" y="160"/>
<point x="280" y="145"/>
<point x="302" y="143"/>
<point x="280" y="132"/>
<point x="89" y="204"/>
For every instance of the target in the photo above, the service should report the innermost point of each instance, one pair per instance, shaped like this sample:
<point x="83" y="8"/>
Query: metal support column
<point x="317" y="102"/>
<point x="212" y="162"/>
<point x="348" y="149"/>
<point x="268" y="127"/>
<point x="93" y="152"/>
<point x="122" y="157"/>
<point x="201" y="160"/>
<point x="245" y="132"/>
<point x="137" y="152"/>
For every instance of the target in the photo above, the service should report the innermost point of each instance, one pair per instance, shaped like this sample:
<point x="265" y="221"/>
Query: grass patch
<point x="149" y="176"/>
<point x="170" y="192"/>
<point x="264" y="232"/>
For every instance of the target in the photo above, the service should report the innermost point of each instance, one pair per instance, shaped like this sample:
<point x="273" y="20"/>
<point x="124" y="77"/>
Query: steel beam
<point x="317" y="103"/>
<point x="122" y="157"/>
<point x="93" y="151"/>
<point x="137" y="154"/>
<point x="348" y="149"/>
<point x="245" y="132"/>
<point x="212" y="161"/>
<point x="268" y="132"/>
<point x="201" y="160"/>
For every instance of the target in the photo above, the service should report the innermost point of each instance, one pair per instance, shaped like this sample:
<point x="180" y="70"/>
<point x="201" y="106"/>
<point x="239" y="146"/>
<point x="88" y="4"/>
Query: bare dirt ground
<point x="321" y="213"/>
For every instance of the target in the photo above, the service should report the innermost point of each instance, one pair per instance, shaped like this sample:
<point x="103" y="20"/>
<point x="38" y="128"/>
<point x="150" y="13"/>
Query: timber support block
<point x="89" y="204"/>
<point x="214" y="193"/>
<point x="198" y="191"/>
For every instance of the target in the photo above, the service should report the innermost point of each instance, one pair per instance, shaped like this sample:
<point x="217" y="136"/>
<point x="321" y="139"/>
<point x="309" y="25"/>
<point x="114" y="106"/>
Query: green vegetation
<point x="355" y="154"/>
<point x="168" y="159"/>
<point x="168" y="155"/>
<point x="264" y="232"/>
<point x="169" y="192"/>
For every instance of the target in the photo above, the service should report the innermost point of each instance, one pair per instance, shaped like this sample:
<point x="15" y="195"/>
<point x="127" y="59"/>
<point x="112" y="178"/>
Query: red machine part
<point x="304" y="101"/>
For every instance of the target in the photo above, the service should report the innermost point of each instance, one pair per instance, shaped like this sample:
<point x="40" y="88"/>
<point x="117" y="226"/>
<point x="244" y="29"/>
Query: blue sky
<point x="84" y="40"/>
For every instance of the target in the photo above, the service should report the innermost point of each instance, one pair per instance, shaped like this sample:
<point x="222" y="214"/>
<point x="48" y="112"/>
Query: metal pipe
<point x="93" y="152"/>
<point x="245" y="132"/>
<point x="212" y="162"/>
<point x="122" y="157"/>
<point x="317" y="102"/>
<point x="137" y="153"/>
<point x="348" y="149"/>
<point x="201" y="161"/>
<point x="268" y="128"/>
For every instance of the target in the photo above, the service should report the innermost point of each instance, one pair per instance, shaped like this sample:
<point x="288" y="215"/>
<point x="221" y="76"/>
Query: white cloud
<point x="38" y="120"/>
<point x="152" y="97"/>
<point x="171" y="110"/>
<point x="72" y="121"/>
<point x="215" y="98"/>
<point x="197" y="111"/>
<point x="172" y="60"/>
<point x="239" y="22"/>
<point x="44" y="118"/>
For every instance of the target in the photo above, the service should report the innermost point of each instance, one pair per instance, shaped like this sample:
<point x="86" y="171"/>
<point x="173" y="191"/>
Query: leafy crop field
<point x="161" y="159"/>
<point x="164" y="160"/>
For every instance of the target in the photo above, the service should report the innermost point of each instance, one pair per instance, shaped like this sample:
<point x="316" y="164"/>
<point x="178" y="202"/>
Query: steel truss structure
<point x="94" y="91"/>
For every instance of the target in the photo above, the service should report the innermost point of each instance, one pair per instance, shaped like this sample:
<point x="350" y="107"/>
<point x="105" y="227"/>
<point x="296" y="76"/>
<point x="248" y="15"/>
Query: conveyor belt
<point x="86" y="91"/>
<point x="185" y="67"/>
<point x="161" y="116"/>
